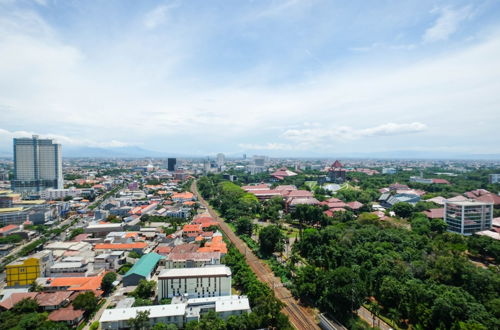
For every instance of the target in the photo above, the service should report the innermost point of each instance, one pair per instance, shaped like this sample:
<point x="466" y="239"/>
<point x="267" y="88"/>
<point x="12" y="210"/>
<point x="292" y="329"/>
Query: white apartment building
<point x="51" y="193"/>
<point x="37" y="165"/>
<point x="468" y="217"/>
<point x="179" y="312"/>
<point x="210" y="281"/>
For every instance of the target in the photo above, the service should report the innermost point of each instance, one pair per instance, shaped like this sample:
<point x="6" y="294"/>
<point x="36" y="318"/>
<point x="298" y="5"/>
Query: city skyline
<point x="296" y="78"/>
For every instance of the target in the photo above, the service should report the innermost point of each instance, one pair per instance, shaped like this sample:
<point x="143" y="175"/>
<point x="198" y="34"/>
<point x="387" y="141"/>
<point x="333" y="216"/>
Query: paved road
<point x="372" y="320"/>
<point x="299" y="316"/>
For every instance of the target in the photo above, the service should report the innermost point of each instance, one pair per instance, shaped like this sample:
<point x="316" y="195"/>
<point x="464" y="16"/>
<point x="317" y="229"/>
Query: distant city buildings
<point x="468" y="216"/>
<point x="37" y="165"/>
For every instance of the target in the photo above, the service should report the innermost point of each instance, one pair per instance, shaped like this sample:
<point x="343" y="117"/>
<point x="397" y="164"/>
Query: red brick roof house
<point x="282" y="173"/>
<point x="68" y="315"/>
<point x="434" y="213"/>
<point x="53" y="300"/>
<point x="16" y="297"/>
<point x="355" y="205"/>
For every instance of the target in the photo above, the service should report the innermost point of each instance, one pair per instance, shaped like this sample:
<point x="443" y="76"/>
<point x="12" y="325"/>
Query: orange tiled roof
<point x="189" y="228"/>
<point x="7" y="228"/>
<point x="184" y="195"/>
<point x="78" y="283"/>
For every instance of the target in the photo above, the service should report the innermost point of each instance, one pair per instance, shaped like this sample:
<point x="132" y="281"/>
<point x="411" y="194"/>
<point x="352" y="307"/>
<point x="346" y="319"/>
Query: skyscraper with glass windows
<point x="37" y="165"/>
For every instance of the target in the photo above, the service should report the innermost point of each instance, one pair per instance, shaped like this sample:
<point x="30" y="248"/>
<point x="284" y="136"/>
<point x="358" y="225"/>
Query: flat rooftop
<point x="196" y="272"/>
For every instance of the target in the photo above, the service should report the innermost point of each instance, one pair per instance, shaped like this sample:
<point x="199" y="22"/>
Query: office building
<point x="37" y="165"/>
<point x="172" y="164"/>
<point x="200" y="282"/>
<point x="468" y="217"/>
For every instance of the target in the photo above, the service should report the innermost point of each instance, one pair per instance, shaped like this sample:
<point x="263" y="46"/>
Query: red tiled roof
<point x="440" y="181"/>
<point x="355" y="205"/>
<point x="52" y="298"/>
<point x="489" y="198"/>
<point x="434" y="213"/>
<point x="8" y="228"/>
<point x="203" y="220"/>
<point x="299" y="193"/>
<point x="192" y="228"/>
<point x="17" y="297"/>
<point x="66" y="314"/>
<point x="163" y="250"/>
<point x="185" y="248"/>
<point x="337" y="164"/>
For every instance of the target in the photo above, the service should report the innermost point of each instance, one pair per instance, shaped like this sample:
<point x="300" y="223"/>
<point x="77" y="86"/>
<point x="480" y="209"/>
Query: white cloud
<point x="447" y="23"/>
<point x="267" y="146"/>
<point x="48" y="84"/>
<point x="157" y="16"/>
<point x="7" y="136"/>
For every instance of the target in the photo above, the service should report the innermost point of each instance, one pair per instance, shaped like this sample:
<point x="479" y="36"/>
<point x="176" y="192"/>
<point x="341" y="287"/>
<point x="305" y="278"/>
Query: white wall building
<point x="468" y="217"/>
<point x="201" y="282"/>
<point x="52" y="193"/>
<point x="179" y="312"/>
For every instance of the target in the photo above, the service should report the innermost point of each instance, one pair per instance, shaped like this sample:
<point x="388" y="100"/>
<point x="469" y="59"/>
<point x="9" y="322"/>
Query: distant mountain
<point x="110" y="152"/>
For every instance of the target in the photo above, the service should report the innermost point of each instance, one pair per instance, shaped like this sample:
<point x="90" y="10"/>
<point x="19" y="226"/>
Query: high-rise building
<point x="467" y="217"/>
<point x="221" y="159"/>
<point x="37" y="165"/>
<point x="172" y="164"/>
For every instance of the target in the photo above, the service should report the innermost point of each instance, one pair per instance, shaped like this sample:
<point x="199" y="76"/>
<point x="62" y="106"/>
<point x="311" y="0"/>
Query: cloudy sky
<point x="283" y="77"/>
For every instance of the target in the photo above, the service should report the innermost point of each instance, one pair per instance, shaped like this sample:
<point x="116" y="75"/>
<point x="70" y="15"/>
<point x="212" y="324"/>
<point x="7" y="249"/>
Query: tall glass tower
<point x="37" y="165"/>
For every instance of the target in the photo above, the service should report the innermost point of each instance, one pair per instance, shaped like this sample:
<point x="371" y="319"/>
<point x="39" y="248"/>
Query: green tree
<point x="344" y="292"/>
<point x="25" y="306"/>
<point x="140" y="321"/>
<point x="244" y="226"/>
<point x="271" y="240"/>
<point x="86" y="301"/>
<point x="107" y="282"/>
<point x="403" y="210"/>
<point x="144" y="290"/>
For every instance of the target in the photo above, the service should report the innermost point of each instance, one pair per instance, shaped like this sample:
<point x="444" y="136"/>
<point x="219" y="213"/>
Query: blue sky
<point x="287" y="77"/>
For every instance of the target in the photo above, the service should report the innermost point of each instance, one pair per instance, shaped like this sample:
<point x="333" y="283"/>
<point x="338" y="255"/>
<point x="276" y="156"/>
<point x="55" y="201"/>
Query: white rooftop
<point x="219" y="270"/>
<point x="123" y="314"/>
<point x="467" y="202"/>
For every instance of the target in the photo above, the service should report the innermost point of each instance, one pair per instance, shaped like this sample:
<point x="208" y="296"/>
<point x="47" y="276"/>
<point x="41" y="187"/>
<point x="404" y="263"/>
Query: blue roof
<point x="145" y="265"/>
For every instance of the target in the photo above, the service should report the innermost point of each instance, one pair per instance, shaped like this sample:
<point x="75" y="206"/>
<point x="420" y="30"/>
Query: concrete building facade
<point x="200" y="282"/>
<point x="37" y="165"/>
<point x="468" y="217"/>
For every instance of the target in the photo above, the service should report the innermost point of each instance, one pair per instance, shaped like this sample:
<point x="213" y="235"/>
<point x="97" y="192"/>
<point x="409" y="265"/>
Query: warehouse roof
<point x="145" y="265"/>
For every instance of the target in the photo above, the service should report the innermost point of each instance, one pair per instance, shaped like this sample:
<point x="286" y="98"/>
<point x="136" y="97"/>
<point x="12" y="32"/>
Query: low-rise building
<point x="179" y="312"/>
<point x="142" y="269"/>
<point x="24" y="271"/>
<point x="200" y="282"/>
